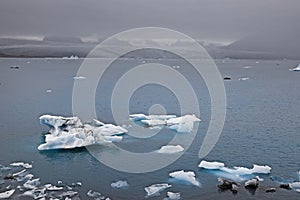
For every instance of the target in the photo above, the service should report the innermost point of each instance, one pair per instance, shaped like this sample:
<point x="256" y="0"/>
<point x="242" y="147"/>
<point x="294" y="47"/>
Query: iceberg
<point x="7" y="194"/>
<point x="32" y="184"/>
<point x="171" y="149"/>
<point x="296" y="68"/>
<point x="234" y="173"/>
<point x="94" y="194"/>
<point x="120" y="185"/>
<point x="186" y="177"/>
<point x="183" y="124"/>
<point x="70" y="132"/>
<point x="154" y="190"/>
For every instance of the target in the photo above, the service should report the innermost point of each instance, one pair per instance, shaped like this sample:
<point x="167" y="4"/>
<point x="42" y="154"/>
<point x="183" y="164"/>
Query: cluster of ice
<point x="120" y="185"/>
<point x="21" y="184"/>
<point x="296" y="68"/>
<point x="70" y="132"/>
<point x="186" y="177"/>
<point x="173" y="196"/>
<point x="235" y="173"/>
<point x="183" y="124"/>
<point x="171" y="149"/>
<point x="155" y="189"/>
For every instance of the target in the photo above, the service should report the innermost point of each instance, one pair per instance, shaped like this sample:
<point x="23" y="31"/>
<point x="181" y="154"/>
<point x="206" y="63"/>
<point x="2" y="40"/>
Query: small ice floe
<point x="234" y="173"/>
<point x="173" y="196"/>
<point x="68" y="194"/>
<point x="243" y="78"/>
<point x="247" y="67"/>
<point x="120" y="185"/>
<point x="168" y="149"/>
<point x="94" y="194"/>
<point x="70" y="132"/>
<point x="7" y="194"/>
<point x="186" y="177"/>
<point x="296" y="68"/>
<point x="183" y="124"/>
<point x="48" y="91"/>
<point x="21" y="164"/>
<point x="79" y="78"/>
<point x="154" y="190"/>
<point x="257" y="62"/>
<point x="20" y="173"/>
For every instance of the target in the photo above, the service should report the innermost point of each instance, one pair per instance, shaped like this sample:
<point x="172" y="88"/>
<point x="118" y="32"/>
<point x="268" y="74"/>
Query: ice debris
<point x="70" y="132"/>
<point x="186" y="177"/>
<point x="21" y="164"/>
<point x="155" y="189"/>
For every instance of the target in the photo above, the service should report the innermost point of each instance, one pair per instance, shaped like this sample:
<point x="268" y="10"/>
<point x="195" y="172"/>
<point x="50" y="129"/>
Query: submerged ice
<point x="70" y="132"/>
<point x="183" y="124"/>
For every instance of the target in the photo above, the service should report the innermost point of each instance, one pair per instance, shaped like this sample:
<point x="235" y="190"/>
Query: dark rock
<point x="285" y="186"/>
<point x="270" y="190"/>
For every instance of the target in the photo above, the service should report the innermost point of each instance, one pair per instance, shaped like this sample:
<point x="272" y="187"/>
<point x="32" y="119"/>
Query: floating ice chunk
<point x="79" y="78"/>
<point x="187" y="177"/>
<point x="48" y="91"/>
<point x="21" y="164"/>
<point x="247" y="67"/>
<point x="296" y="68"/>
<point x="154" y="190"/>
<point x="170" y="149"/>
<point x="173" y="196"/>
<point x="120" y="185"/>
<point x="7" y="194"/>
<point x="243" y="78"/>
<point x="183" y="124"/>
<point x="295" y="185"/>
<point x="69" y="132"/>
<point x="35" y="193"/>
<point x="68" y="194"/>
<point x="32" y="184"/>
<point x="235" y="173"/>
<point x="211" y="165"/>
<point x="25" y="178"/>
<point x="50" y="187"/>
<point x="72" y="57"/>
<point x="20" y="173"/>
<point x="94" y="194"/>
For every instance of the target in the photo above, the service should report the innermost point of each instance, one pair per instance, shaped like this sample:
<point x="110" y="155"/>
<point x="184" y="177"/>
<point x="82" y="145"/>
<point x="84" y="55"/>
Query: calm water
<point x="262" y="125"/>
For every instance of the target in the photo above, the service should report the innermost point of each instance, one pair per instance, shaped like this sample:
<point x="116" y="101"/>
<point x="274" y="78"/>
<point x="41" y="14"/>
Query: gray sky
<point x="203" y="19"/>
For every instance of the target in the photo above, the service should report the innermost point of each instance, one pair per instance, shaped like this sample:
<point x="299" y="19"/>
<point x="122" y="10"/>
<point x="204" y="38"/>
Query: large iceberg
<point x="183" y="124"/>
<point x="186" y="177"/>
<point x="70" y="132"/>
<point x="234" y="173"/>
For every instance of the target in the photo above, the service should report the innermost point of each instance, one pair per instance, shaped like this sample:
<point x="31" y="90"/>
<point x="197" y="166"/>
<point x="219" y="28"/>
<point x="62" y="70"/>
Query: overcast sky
<point x="203" y="19"/>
